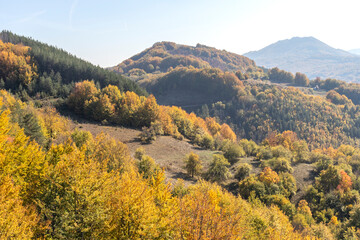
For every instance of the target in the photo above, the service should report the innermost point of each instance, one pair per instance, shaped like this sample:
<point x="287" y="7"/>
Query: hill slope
<point x="310" y="56"/>
<point x="56" y="70"/>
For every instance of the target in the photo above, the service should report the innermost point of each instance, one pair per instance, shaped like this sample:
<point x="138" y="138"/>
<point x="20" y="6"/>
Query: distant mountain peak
<point x="310" y="56"/>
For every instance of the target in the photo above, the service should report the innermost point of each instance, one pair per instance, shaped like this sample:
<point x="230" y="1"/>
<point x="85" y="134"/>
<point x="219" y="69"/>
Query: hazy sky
<point x="107" y="32"/>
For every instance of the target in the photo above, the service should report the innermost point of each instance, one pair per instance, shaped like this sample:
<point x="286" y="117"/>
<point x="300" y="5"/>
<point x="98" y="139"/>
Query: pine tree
<point x="32" y="127"/>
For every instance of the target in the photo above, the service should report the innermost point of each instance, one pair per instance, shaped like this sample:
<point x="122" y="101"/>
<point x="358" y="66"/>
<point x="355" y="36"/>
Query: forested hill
<point x="163" y="56"/>
<point x="187" y="76"/>
<point x="54" y="71"/>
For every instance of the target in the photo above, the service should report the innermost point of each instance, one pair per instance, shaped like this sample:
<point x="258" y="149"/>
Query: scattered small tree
<point x="193" y="164"/>
<point x="147" y="135"/>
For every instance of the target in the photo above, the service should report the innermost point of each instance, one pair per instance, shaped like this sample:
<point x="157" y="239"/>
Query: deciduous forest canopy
<point x="283" y="156"/>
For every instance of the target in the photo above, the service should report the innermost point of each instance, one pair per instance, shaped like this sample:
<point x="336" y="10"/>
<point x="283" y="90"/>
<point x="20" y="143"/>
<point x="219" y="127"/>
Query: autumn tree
<point x="227" y="133"/>
<point x="301" y="79"/>
<point x="193" y="164"/>
<point x="17" y="221"/>
<point x="336" y="98"/>
<point x="268" y="176"/>
<point x="54" y="124"/>
<point x="345" y="183"/>
<point x="81" y="138"/>
<point x="133" y="212"/>
<point x="77" y="194"/>
<point x="233" y="152"/>
<point x="111" y="153"/>
<point x="329" y="179"/>
<point x="303" y="208"/>
<point x="82" y="92"/>
<point x="16" y="65"/>
<point x="277" y="75"/>
<point x="213" y="126"/>
<point x="99" y="108"/>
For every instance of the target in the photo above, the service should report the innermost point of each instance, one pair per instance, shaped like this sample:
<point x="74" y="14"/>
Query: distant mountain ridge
<point x="310" y="56"/>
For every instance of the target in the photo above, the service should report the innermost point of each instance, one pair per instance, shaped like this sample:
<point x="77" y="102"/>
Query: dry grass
<point x="303" y="173"/>
<point x="168" y="152"/>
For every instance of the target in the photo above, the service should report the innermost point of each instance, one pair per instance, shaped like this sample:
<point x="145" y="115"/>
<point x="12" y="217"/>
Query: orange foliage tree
<point x="345" y="182"/>
<point x="268" y="176"/>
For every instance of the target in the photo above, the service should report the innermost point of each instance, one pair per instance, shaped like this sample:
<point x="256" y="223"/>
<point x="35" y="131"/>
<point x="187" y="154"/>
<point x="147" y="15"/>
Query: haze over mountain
<point x="310" y="56"/>
<point x="355" y="51"/>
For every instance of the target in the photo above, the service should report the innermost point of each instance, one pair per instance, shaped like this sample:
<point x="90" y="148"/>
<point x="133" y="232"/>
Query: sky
<point x="107" y="32"/>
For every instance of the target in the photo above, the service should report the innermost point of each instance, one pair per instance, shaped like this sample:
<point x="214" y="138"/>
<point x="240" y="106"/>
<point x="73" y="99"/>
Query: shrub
<point x="147" y="166"/>
<point x="243" y="171"/>
<point x="218" y="170"/>
<point x="233" y="152"/>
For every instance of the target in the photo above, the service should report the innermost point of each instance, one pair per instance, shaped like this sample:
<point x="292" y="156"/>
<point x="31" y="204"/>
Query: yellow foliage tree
<point x="16" y="221"/>
<point x="55" y="124"/>
<point x="77" y="193"/>
<point x="209" y="213"/>
<point x="133" y="212"/>
<point x="23" y="160"/>
<point x="82" y="92"/>
<point x="15" y="64"/>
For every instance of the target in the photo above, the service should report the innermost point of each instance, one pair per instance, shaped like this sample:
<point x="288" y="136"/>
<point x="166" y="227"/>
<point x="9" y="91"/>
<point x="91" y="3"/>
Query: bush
<point x="251" y="185"/>
<point x="139" y="153"/>
<point x="249" y="146"/>
<point x="207" y="142"/>
<point x="147" y="135"/>
<point x="81" y="137"/>
<point x="278" y="164"/>
<point x="147" y="166"/>
<point x="263" y="153"/>
<point x="243" y="171"/>
<point x="233" y="152"/>
<point x="282" y="202"/>
<point x="218" y="170"/>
